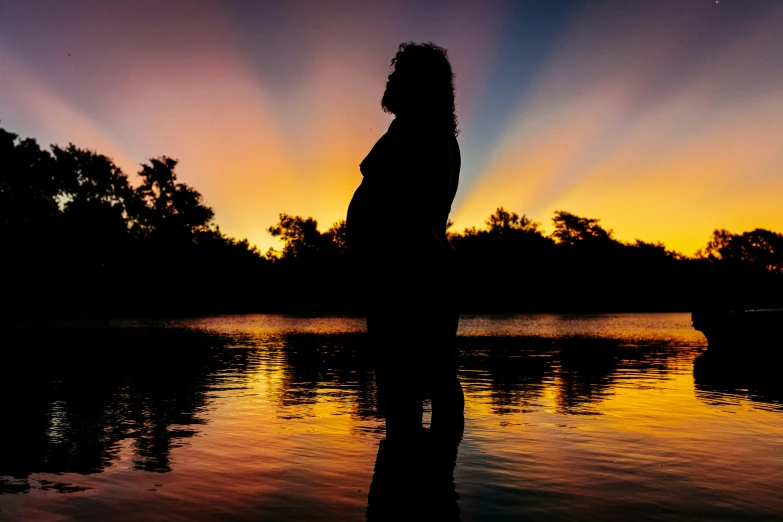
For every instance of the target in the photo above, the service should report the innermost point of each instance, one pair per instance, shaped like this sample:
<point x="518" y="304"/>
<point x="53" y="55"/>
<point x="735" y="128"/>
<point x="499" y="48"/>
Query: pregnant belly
<point x="357" y="222"/>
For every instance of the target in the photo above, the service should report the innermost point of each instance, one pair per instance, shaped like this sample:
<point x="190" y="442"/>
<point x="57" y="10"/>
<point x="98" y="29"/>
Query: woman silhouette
<point x="396" y="230"/>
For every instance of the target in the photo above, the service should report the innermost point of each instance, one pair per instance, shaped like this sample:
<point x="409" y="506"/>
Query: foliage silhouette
<point x="758" y="250"/>
<point x="169" y="209"/>
<point x="79" y="238"/>
<point x="572" y="230"/>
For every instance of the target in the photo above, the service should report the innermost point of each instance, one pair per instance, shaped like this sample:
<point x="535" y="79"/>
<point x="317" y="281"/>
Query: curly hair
<point x="422" y="84"/>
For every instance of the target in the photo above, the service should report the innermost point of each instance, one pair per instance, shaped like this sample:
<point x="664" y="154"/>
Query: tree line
<point x="78" y="237"/>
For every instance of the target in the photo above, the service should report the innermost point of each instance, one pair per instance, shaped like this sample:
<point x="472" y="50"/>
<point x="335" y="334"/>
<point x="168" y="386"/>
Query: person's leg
<point x="396" y="352"/>
<point x="448" y="401"/>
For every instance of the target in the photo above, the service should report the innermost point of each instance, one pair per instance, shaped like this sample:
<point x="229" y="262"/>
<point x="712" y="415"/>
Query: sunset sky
<point x="663" y="119"/>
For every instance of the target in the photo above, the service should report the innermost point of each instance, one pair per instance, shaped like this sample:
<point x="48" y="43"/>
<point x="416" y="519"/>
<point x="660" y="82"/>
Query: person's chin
<point x="389" y="100"/>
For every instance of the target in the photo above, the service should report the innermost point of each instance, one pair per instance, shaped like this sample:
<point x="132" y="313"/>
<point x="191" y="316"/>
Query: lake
<point x="263" y="417"/>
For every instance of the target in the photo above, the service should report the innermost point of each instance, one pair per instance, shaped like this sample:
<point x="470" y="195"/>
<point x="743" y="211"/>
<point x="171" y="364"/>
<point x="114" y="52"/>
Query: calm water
<point x="274" y="418"/>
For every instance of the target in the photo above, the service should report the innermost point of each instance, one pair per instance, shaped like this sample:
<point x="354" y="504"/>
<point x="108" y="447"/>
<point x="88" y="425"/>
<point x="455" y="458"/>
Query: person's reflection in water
<point x="414" y="477"/>
<point x="396" y="231"/>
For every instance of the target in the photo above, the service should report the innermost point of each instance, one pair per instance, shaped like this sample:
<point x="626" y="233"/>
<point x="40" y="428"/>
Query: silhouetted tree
<point x="312" y="271"/>
<point x="337" y="236"/>
<point x="300" y="236"/>
<point x="30" y="223"/>
<point x="95" y="196"/>
<point x="169" y="208"/>
<point x="88" y="176"/>
<point x="28" y="185"/>
<point x="77" y="237"/>
<point x="570" y="229"/>
<point x="657" y="250"/>
<point x="503" y="222"/>
<point x="758" y="249"/>
<point x="302" y="241"/>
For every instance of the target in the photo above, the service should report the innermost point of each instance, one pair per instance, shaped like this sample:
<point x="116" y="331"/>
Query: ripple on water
<point x="275" y="417"/>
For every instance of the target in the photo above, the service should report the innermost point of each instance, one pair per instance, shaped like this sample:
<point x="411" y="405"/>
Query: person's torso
<point x="369" y="209"/>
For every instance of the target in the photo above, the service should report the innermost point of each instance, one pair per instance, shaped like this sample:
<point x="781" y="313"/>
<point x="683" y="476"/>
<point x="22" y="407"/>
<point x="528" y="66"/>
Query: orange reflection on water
<point x="275" y="417"/>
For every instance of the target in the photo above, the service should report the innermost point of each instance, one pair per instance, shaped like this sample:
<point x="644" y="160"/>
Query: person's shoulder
<point x="413" y="124"/>
<point x="400" y="128"/>
<point x="415" y="131"/>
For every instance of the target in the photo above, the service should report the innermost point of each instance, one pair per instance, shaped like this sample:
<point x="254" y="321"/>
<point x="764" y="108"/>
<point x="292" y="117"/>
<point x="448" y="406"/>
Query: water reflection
<point x="731" y="377"/>
<point x="413" y="479"/>
<point x="249" y="421"/>
<point x="70" y="398"/>
<point x="80" y="393"/>
<point x="317" y="367"/>
<point x="582" y="370"/>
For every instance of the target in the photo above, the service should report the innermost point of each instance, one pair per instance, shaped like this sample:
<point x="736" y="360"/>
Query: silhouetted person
<point x="396" y="230"/>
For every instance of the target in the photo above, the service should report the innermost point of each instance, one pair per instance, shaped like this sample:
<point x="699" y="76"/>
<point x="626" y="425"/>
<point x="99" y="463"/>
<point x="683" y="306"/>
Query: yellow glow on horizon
<point x="695" y="160"/>
<point x="600" y="131"/>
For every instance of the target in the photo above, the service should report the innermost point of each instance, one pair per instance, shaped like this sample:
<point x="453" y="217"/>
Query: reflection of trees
<point x="590" y="368"/>
<point x="512" y="371"/>
<point x="587" y="369"/>
<point x="67" y="407"/>
<point x="737" y="376"/>
<point x="583" y="371"/>
<point x="316" y="363"/>
<point x="514" y="368"/>
<point x="517" y="369"/>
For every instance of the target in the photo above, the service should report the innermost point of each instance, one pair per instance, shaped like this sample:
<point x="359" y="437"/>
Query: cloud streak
<point x="663" y="119"/>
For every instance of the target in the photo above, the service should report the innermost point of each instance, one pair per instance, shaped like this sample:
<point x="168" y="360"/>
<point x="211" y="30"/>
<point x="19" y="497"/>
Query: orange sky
<point x="662" y="119"/>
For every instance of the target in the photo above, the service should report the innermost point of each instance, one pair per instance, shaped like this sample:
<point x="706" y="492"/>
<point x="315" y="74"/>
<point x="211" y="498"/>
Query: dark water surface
<point x="275" y="418"/>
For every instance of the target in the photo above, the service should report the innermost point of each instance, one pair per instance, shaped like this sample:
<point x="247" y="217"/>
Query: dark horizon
<point x="71" y="215"/>
<point x="659" y="117"/>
